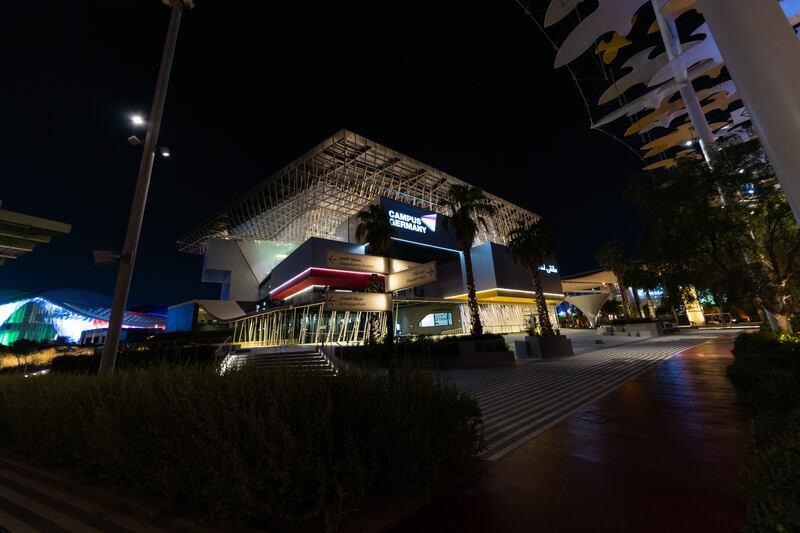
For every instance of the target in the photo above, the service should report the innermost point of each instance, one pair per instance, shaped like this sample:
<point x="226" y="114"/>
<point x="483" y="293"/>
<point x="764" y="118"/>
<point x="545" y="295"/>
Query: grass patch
<point x="766" y="374"/>
<point x="252" y="446"/>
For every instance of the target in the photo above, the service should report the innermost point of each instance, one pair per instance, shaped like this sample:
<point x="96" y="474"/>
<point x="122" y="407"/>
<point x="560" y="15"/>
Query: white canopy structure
<point x="589" y="304"/>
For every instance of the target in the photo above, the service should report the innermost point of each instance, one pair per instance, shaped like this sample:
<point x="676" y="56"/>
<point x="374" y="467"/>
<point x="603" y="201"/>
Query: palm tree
<point x="468" y="208"/>
<point x="647" y="279"/>
<point x="634" y="276"/>
<point x="614" y="257"/>
<point x="374" y="229"/>
<point x="531" y="245"/>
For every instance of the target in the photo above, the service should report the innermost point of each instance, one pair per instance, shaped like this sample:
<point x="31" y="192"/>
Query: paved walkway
<point x="661" y="453"/>
<point x="36" y="499"/>
<point x="520" y="402"/>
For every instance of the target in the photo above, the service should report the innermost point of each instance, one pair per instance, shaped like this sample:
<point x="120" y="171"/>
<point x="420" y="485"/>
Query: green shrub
<point x="418" y="349"/>
<point x="127" y="358"/>
<point x="772" y="477"/>
<point x="766" y="373"/>
<point x="266" y="447"/>
<point x="625" y="321"/>
<point x="75" y="364"/>
<point x="213" y="335"/>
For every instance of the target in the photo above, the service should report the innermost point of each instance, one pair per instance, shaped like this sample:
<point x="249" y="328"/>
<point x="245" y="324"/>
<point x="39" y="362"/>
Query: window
<point x="432" y="320"/>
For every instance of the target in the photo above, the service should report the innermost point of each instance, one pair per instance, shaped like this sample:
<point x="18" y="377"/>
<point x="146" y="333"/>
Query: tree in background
<point x="468" y="208"/>
<point x="774" y="244"/>
<point x="531" y="245"/>
<point x="611" y="307"/>
<point x="726" y="229"/>
<point x="614" y="257"/>
<point x="22" y="348"/>
<point x="374" y="229"/>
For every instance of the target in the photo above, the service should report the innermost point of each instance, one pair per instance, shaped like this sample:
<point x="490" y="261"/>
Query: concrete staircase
<point x="293" y="357"/>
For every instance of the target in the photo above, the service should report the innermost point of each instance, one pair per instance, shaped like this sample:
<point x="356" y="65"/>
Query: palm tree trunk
<point x="474" y="314"/>
<point x="637" y="302"/>
<point x="390" y="327"/>
<point x="651" y="307"/>
<point x="626" y="303"/>
<point x="374" y="334"/>
<point x="545" y="326"/>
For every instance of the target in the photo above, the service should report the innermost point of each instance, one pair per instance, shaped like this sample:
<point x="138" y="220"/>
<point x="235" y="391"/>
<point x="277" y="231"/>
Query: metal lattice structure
<point x="314" y="194"/>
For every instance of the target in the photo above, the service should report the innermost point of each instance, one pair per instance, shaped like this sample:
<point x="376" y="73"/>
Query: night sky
<point x="466" y="87"/>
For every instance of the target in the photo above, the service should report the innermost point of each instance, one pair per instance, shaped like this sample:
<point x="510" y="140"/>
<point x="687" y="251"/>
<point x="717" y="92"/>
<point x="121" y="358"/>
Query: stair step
<point x="300" y="360"/>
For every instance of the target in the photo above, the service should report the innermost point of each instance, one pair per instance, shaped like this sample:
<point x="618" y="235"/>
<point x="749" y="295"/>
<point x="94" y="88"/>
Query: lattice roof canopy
<point x="311" y="196"/>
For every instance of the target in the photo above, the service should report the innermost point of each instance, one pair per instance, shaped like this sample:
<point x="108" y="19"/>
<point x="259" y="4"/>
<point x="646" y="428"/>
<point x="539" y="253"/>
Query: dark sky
<point x="466" y="87"/>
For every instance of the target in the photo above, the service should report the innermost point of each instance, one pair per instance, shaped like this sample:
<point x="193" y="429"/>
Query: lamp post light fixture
<point x="137" y="120"/>
<point x="128" y="255"/>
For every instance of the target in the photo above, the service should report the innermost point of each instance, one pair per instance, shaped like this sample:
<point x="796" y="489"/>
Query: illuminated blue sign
<point x="415" y="225"/>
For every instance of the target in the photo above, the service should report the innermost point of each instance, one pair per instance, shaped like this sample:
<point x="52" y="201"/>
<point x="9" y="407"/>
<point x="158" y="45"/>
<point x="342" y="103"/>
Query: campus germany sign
<point x="412" y="277"/>
<point x="357" y="301"/>
<point x="356" y="262"/>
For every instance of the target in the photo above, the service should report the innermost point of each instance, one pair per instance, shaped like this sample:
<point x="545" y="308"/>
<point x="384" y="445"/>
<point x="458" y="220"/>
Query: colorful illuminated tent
<point x="61" y="313"/>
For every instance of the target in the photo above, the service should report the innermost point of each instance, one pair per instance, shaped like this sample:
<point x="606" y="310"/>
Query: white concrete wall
<point x="224" y="263"/>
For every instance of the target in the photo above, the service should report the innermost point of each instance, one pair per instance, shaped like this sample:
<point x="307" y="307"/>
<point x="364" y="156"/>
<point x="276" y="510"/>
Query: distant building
<point x="62" y="313"/>
<point x="19" y="233"/>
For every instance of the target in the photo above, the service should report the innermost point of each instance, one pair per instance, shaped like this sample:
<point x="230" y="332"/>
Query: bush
<point x="75" y="364"/>
<point x="149" y="355"/>
<point x="208" y="336"/>
<point x="253" y="446"/>
<point x="625" y="321"/>
<point x="417" y="349"/>
<point x="766" y="374"/>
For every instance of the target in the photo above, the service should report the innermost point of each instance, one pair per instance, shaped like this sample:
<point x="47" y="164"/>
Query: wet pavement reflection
<point x="661" y="453"/>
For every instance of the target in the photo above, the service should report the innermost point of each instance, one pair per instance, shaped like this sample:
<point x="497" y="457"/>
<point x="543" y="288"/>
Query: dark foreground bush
<point x="419" y="349"/>
<point x="143" y="357"/>
<point x="253" y="446"/>
<point x="766" y="374"/>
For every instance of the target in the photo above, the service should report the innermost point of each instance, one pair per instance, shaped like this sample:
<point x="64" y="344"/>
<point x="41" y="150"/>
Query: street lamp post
<point x="128" y="256"/>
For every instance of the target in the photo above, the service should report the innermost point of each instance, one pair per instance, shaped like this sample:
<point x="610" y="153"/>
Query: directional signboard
<point x="357" y="301"/>
<point x="356" y="262"/>
<point x="398" y="265"/>
<point x="413" y="277"/>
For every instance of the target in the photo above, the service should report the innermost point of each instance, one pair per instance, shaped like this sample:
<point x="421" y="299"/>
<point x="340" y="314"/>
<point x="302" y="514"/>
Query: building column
<point x="672" y="44"/>
<point x="762" y="53"/>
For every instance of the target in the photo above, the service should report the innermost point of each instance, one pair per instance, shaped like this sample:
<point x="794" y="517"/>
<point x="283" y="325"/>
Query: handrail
<point x="227" y="360"/>
<point x="225" y="344"/>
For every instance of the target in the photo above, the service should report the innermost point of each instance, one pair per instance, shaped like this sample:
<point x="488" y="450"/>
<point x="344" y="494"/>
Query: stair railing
<point x="225" y="355"/>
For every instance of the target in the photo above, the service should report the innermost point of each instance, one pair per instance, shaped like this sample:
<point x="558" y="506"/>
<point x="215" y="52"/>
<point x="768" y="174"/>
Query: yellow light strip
<point x="498" y="290"/>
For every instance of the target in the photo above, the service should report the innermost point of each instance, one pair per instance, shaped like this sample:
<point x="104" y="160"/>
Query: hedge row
<point x="149" y="355"/>
<point x="766" y="374"/>
<point x="421" y="349"/>
<point x="252" y="446"/>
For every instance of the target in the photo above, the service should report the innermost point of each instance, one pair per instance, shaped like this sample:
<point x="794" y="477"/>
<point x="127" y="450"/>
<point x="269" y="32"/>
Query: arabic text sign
<point x="549" y="269"/>
<point x="357" y="301"/>
<point x="355" y="262"/>
<point x="398" y="265"/>
<point x="413" y="277"/>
